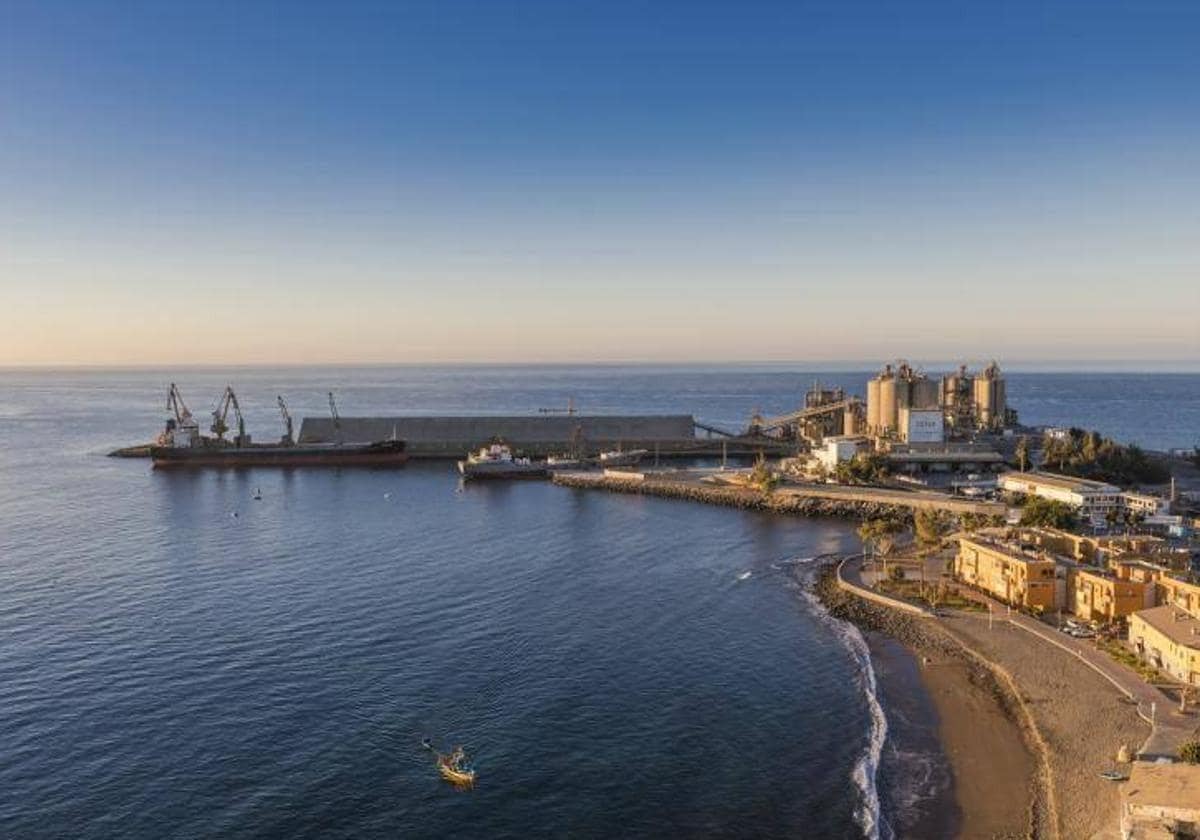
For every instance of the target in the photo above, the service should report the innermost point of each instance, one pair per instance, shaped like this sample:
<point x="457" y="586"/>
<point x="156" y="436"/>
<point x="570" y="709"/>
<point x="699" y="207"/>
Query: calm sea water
<point x="180" y="660"/>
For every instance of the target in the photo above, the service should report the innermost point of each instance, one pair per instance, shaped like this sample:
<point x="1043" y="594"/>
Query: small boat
<point x="566" y="462"/>
<point x="619" y="458"/>
<point x="454" y="769"/>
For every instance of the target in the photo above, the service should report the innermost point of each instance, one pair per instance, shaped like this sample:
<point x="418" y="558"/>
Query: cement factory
<point x="919" y="423"/>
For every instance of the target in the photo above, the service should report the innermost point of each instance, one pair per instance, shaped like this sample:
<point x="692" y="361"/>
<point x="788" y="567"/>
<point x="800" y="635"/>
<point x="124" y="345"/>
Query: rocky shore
<point x="741" y="497"/>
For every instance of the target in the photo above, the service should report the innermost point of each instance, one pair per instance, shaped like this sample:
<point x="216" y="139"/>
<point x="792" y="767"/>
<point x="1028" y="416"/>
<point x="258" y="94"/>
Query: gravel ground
<point x="1080" y="715"/>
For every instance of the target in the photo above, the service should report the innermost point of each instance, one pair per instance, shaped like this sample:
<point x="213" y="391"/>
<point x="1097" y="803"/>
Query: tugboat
<point x="496" y="460"/>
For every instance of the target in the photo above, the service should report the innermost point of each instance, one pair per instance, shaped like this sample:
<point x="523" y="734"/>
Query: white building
<point x="922" y="425"/>
<point x="838" y="448"/>
<point x="1093" y="499"/>
<point x="1145" y="504"/>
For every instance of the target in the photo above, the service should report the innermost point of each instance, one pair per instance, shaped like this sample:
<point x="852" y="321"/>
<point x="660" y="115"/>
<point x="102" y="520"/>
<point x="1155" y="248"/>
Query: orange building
<point x="1102" y="596"/>
<point x="1006" y="572"/>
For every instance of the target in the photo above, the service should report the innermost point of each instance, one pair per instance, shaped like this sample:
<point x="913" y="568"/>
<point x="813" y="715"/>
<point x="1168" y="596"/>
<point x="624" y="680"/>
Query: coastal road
<point x="1169" y="727"/>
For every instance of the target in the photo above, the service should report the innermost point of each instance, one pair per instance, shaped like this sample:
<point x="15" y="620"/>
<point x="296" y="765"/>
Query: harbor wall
<point x="453" y="436"/>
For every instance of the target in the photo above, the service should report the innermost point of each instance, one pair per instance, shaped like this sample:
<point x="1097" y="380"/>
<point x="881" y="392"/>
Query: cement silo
<point x="958" y="400"/>
<point x="852" y="418"/>
<point x="888" y="402"/>
<point x="872" y="405"/>
<point x="923" y="394"/>
<point x="990" y="398"/>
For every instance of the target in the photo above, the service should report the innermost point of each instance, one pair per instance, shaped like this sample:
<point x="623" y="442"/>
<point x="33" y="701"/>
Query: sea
<point x="182" y="659"/>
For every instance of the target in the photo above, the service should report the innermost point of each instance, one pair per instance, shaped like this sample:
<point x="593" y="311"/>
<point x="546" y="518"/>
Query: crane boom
<point x="288" y="440"/>
<point x="337" y="421"/>
<point x="177" y="406"/>
<point x="220" y="423"/>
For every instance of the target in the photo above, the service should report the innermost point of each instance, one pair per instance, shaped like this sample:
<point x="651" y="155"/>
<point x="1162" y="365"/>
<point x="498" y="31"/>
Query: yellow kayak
<point x="454" y="770"/>
<point x="463" y="778"/>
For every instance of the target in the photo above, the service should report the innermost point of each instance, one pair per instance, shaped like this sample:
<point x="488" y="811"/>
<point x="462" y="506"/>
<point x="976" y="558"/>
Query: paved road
<point x="1170" y="728"/>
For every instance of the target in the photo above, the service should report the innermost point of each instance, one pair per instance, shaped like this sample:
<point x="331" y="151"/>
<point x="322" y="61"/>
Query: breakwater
<point x="845" y="502"/>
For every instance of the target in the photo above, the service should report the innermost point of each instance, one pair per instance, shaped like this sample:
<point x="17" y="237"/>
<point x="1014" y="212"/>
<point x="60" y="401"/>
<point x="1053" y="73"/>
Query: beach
<point x="1082" y="718"/>
<point x="1025" y="728"/>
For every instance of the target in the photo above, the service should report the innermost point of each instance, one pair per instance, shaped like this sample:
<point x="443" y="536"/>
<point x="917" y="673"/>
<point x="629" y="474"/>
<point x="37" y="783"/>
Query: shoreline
<point x="995" y="679"/>
<point x="978" y="725"/>
<point x="915" y="780"/>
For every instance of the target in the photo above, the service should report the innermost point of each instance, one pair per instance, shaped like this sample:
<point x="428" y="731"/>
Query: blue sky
<point x="392" y="182"/>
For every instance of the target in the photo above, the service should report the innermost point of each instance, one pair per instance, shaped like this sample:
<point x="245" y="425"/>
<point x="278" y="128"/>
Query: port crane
<point x="176" y="405"/>
<point x="288" y="440"/>
<point x="220" y="424"/>
<point x="337" y="421"/>
<point x="182" y="429"/>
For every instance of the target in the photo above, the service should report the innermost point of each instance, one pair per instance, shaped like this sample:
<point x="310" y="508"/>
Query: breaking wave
<point x="866" y="769"/>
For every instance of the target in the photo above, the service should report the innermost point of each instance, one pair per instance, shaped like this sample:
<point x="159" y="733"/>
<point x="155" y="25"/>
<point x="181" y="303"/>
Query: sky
<point x="257" y="183"/>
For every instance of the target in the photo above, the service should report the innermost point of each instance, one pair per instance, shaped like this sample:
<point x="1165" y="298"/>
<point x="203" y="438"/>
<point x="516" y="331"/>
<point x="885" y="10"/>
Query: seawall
<point x="850" y="502"/>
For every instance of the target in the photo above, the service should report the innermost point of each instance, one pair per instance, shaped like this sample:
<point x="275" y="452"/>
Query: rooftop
<point x="1175" y="624"/>
<point x="1105" y="574"/>
<point x="1175" y="786"/>
<point x="1063" y="482"/>
<point x="1012" y="550"/>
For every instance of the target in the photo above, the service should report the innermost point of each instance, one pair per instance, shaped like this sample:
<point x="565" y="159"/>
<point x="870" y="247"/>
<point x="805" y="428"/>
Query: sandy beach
<point x="994" y="772"/>
<point x="1082" y="718"/>
<point x="1024" y="762"/>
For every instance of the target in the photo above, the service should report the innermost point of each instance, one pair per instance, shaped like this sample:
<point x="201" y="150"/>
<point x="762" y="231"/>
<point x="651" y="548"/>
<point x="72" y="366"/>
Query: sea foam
<point x="866" y="769"/>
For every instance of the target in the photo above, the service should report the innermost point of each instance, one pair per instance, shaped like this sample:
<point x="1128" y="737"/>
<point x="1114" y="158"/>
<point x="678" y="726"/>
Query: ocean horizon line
<point x="1149" y="367"/>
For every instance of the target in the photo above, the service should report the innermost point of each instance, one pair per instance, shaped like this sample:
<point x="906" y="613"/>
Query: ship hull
<point x="628" y="459"/>
<point x="498" y="471"/>
<point x="386" y="454"/>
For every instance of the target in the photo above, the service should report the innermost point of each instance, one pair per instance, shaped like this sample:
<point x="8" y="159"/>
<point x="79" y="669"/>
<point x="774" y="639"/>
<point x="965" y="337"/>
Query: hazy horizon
<point x="1149" y="367"/>
<point x="590" y="182"/>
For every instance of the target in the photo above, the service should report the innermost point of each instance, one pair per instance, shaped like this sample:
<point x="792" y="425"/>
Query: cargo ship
<point x="182" y="446"/>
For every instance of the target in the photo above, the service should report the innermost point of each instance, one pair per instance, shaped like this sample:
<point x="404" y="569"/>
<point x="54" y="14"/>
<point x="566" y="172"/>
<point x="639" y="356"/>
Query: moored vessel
<point x="567" y="462"/>
<point x="622" y="458"/>
<point x="182" y="446"/>
<point x="496" y="460"/>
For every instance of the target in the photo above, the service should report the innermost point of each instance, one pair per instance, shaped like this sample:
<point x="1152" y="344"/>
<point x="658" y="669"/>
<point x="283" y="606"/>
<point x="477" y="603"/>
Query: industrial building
<point x="838" y="448"/>
<point x="912" y="458"/>
<point x="904" y="404"/>
<point x="1093" y="499"/>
